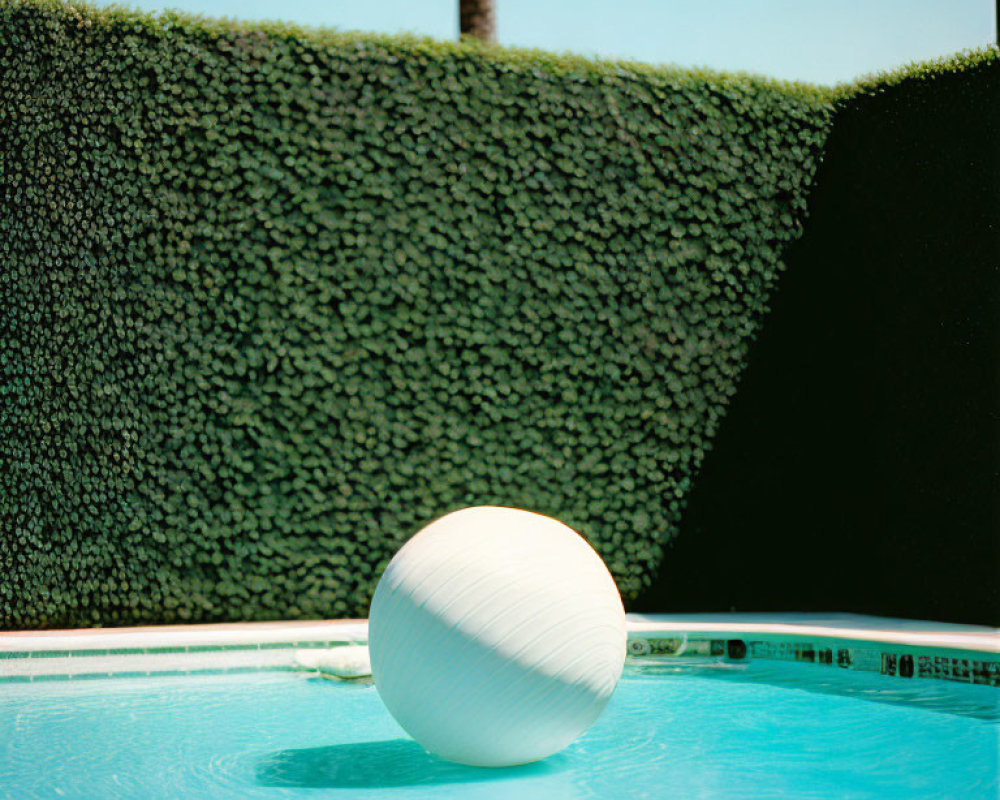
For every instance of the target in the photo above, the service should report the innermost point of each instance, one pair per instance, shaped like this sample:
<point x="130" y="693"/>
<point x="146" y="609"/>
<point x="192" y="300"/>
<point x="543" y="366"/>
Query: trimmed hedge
<point x="966" y="66"/>
<point x="870" y="403"/>
<point x="276" y="298"/>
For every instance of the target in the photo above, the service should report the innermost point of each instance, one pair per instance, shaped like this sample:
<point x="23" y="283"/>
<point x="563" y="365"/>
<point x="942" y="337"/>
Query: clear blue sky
<point x="823" y="41"/>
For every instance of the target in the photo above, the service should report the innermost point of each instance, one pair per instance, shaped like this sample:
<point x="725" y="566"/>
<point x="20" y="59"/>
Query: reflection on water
<point x="945" y="697"/>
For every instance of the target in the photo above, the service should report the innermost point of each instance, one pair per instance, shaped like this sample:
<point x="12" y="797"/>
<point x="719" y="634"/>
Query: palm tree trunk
<point x="477" y="18"/>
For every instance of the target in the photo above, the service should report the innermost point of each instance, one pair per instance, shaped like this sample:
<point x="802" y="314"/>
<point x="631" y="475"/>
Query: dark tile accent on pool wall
<point x="736" y="649"/>
<point x="639" y="647"/>
<point x="906" y="666"/>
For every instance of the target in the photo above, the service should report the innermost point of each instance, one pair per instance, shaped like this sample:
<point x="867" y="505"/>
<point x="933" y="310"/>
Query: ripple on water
<point x="733" y="732"/>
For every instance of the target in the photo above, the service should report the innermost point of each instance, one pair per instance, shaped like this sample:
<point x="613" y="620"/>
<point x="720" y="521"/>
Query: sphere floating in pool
<point x="496" y="636"/>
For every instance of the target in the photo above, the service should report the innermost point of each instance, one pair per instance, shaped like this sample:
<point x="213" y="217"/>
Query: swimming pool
<point x="695" y="729"/>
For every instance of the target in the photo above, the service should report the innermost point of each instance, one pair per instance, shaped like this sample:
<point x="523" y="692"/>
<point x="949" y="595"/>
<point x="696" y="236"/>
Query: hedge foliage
<point x="886" y="328"/>
<point x="273" y="299"/>
<point x="970" y="64"/>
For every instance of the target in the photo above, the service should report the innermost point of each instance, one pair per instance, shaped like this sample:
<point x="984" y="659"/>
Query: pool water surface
<point x="697" y="731"/>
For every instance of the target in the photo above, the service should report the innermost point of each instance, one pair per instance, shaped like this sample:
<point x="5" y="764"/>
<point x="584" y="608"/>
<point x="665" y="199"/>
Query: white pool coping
<point x="855" y="627"/>
<point x="172" y="649"/>
<point x="352" y="631"/>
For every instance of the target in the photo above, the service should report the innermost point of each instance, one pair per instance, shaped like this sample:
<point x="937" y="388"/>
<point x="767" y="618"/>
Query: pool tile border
<point x="163" y="673"/>
<point x="171" y="650"/>
<point x="848" y="642"/>
<point x="890" y="660"/>
<point x="163" y="659"/>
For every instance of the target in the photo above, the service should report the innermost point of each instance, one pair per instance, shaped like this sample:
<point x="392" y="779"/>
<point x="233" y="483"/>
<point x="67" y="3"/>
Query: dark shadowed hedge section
<point x="870" y="407"/>
<point x="273" y="299"/>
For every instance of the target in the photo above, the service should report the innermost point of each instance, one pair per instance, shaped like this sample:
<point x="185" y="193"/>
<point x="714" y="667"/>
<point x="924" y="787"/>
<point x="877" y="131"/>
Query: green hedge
<point x="870" y="404"/>
<point x="273" y="299"/>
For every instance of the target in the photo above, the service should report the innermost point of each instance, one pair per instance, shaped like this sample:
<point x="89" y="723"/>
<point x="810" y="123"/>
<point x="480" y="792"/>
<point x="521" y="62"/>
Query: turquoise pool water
<point x="725" y="731"/>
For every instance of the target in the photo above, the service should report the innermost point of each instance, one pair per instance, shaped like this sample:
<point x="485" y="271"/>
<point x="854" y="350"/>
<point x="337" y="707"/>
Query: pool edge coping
<point x="977" y="642"/>
<point x="355" y="631"/>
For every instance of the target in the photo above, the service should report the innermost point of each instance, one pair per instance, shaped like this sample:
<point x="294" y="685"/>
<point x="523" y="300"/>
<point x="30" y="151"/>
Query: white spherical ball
<point x="496" y="636"/>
